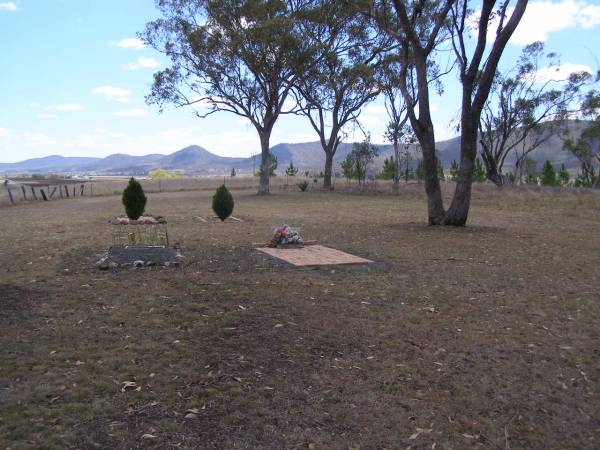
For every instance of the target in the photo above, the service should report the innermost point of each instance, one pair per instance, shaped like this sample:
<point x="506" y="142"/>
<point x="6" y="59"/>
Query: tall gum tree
<point x="340" y="79"/>
<point x="420" y="27"/>
<point x="234" y="56"/>
<point x="525" y="108"/>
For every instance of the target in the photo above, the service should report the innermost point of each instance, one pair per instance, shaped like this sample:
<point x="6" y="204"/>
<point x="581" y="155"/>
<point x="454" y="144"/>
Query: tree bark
<point x="263" y="187"/>
<point x="328" y="169"/>
<point x="458" y="212"/>
<point x="397" y="167"/>
<point x="491" y="168"/>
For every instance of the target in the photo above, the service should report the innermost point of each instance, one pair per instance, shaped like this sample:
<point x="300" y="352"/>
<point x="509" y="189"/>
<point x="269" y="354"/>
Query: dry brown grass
<point x="485" y="336"/>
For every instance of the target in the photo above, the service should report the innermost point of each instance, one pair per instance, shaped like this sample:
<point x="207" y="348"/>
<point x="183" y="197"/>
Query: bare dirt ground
<point x="482" y="337"/>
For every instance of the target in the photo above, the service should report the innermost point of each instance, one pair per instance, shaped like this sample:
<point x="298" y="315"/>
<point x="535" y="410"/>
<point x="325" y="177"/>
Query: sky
<point x="73" y="77"/>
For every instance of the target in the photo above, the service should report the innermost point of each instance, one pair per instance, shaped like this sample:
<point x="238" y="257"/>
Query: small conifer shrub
<point x="303" y="185"/>
<point x="222" y="203"/>
<point x="548" y="175"/>
<point x="134" y="199"/>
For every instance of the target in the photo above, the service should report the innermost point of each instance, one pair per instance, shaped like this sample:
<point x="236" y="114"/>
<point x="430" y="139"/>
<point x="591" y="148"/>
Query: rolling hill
<point x="195" y="160"/>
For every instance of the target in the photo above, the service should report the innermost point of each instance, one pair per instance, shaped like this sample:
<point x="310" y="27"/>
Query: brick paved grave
<point x="313" y="255"/>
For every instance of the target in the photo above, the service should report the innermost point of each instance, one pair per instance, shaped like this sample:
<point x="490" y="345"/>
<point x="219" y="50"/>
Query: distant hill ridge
<point x="199" y="161"/>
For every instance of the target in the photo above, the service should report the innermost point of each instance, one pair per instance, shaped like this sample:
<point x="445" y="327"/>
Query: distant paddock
<point x="37" y="190"/>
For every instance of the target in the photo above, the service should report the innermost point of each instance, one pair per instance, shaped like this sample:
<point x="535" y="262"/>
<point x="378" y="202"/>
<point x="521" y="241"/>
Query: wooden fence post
<point x="43" y="194"/>
<point x="33" y="193"/>
<point x="67" y="191"/>
<point x="82" y="188"/>
<point x="73" y="191"/>
<point x="24" y="193"/>
<point x="53" y="191"/>
<point x="12" y="200"/>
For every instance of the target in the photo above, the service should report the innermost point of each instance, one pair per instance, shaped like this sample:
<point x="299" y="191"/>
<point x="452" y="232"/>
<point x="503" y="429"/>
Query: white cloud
<point x="375" y="109"/>
<point x="3" y="132"/>
<point x="8" y="6"/>
<point x="545" y="17"/>
<point x="138" y="112"/>
<point x="133" y="43"/>
<point x="114" y="94"/>
<point x="68" y="107"/>
<point x="34" y="105"/>
<point x="560" y="73"/>
<point x="369" y="120"/>
<point x="142" y="63"/>
<point x="47" y="116"/>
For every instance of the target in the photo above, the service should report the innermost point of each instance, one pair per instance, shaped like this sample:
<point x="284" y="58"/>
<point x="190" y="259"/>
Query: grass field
<point x="480" y="337"/>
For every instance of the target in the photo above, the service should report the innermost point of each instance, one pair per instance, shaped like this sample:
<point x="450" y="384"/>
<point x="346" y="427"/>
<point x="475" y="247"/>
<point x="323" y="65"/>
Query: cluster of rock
<point x="142" y="220"/>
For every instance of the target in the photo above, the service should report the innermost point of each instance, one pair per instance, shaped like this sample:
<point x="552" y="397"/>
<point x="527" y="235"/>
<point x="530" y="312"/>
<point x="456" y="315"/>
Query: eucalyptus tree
<point x="420" y="27"/>
<point x="586" y="147"/>
<point x="229" y="56"/>
<point x="528" y="104"/>
<point x="476" y="70"/>
<point x="341" y="76"/>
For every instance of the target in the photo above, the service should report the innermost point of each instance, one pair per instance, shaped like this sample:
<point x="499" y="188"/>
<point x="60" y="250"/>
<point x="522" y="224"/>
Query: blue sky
<point x="73" y="80"/>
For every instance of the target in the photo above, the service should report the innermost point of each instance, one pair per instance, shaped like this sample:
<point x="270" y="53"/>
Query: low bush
<point x="134" y="199"/>
<point x="222" y="203"/>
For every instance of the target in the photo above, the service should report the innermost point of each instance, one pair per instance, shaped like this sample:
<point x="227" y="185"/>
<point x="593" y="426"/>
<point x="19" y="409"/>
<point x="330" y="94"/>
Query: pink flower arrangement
<point x="285" y="235"/>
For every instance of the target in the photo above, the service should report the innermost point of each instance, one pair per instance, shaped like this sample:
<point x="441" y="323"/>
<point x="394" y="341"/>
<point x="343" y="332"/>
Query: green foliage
<point x="548" y="175"/>
<point x="291" y="170"/>
<point x="359" y="158"/>
<point x="420" y="171"/>
<point x="161" y="174"/>
<point x="454" y="170"/>
<point x="587" y="150"/>
<point x="222" y="203"/>
<point x="389" y="169"/>
<point x="440" y="169"/>
<point x="348" y="167"/>
<point x="303" y="185"/>
<point x="532" y="179"/>
<point x="525" y="110"/>
<point x="479" y="172"/>
<point x="272" y="166"/>
<point x="134" y="199"/>
<point x="563" y="176"/>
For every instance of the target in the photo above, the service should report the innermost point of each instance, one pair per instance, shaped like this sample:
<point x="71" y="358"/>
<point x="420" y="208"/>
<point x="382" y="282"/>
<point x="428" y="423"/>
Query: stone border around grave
<point x="142" y="220"/>
<point x="116" y="259"/>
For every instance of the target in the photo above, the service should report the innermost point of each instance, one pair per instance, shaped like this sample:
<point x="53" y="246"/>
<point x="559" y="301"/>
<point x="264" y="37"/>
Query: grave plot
<point x="140" y="243"/>
<point x="313" y="255"/>
<point x="288" y="245"/>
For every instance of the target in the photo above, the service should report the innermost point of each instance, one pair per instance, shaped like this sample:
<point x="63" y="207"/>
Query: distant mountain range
<point x="195" y="160"/>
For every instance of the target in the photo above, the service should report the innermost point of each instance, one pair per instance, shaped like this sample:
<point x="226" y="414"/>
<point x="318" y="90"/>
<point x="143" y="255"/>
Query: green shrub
<point x="303" y="185"/>
<point x="222" y="203"/>
<point x="548" y="175"/>
<point x="134" y="199"/>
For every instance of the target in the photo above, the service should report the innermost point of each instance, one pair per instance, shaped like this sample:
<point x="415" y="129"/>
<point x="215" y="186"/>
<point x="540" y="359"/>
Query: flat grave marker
<point x="313" y="255"/>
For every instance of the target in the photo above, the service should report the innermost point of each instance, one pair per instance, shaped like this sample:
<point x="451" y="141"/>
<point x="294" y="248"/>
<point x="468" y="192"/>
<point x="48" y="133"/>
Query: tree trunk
<point x="397" y="168"/>
<point x="491" y="169"/>
<point x="435" y="203"/>
<point x="328" y="169"/>
<point x="458" y="212"/>
<point x="263" y="188"/>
